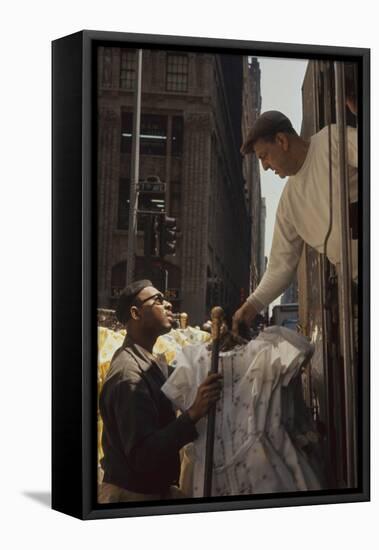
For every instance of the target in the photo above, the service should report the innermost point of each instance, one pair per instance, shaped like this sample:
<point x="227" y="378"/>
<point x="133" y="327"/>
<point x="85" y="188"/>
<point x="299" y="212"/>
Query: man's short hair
<point x="128" y="298"/>
<point x="266" y="127"/>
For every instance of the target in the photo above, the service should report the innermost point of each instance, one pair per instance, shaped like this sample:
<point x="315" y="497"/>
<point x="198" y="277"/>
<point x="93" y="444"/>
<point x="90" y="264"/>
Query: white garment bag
<point x="254" y="452"/>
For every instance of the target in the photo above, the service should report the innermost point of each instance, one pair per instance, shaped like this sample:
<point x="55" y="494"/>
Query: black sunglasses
<point x="158" y="299"/>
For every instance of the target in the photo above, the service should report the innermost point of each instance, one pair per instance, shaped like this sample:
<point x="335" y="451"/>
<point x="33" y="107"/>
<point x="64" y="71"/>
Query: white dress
<point x="254" y="452"/>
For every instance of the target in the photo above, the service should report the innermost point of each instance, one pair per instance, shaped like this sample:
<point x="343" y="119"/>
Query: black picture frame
<point x="74" y="386"/>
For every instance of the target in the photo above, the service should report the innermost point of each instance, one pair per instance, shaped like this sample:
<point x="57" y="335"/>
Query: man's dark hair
<point x="266" y="127"/>
<point x="128" y="298"/>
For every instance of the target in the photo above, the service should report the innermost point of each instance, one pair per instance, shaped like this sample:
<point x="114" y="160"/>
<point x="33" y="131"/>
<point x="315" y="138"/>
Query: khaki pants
<point x="186" y="470"/>
<point x="108" y="493"/>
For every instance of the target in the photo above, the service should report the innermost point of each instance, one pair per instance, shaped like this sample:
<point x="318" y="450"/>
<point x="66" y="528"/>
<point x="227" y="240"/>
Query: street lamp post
<point x="134" y="176"/>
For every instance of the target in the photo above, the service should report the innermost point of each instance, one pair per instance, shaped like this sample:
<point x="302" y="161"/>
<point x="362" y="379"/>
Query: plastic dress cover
<point x="255" y="451"/>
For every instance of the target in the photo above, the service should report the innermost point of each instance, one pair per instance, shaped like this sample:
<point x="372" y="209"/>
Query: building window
<point x="127" y="69"/>
<point x="126" y="132"/>
<point x="153" y="134"/>
<point x="177" y="73"/>
<point x="123" y="203"/>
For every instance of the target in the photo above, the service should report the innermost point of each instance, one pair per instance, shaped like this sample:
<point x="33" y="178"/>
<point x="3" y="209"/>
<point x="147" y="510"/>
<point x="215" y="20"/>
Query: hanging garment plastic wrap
<point x="255" y="451"/>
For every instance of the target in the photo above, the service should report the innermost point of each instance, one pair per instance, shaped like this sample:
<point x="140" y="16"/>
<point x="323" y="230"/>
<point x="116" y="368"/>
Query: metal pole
<point x="217" y="315"/>
<point x="134" y="174"/>
<point x="332" y="441"/>
<point x="345" y="281"/>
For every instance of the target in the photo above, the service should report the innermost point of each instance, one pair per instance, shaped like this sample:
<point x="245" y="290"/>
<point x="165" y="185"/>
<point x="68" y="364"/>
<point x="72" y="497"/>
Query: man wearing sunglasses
<point x="142" y="435"/>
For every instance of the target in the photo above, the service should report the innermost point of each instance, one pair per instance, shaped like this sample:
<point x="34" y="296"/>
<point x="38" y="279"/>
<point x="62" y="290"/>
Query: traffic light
<point x="151" y="236"/>
<point x="167" y="240"/>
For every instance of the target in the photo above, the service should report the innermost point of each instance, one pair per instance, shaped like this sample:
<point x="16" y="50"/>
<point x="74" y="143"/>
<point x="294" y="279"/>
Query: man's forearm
<point x="255" y="303"/>
<point x="272" y="285"/>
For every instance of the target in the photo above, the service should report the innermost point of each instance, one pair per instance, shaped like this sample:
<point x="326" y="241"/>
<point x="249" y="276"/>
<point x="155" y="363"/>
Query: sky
<point x="281" y="83"/>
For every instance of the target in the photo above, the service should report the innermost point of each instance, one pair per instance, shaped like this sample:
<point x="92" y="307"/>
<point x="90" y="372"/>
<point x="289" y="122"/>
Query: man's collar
<point x="137" y="353"/>
<point x="143" y="356"/>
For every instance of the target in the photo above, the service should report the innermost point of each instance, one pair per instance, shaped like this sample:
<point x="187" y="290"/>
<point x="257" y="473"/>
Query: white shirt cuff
<point x="255" y="303"/>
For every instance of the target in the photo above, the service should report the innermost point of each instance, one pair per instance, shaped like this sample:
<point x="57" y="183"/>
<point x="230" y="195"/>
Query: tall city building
<point x="195" y="111"/>
<point x="251" y="110"/>
<point x="290" y="295"/>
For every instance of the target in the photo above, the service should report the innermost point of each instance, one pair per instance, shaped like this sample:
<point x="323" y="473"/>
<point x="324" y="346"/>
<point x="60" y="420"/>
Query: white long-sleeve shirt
<point x="303" y="215"/>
